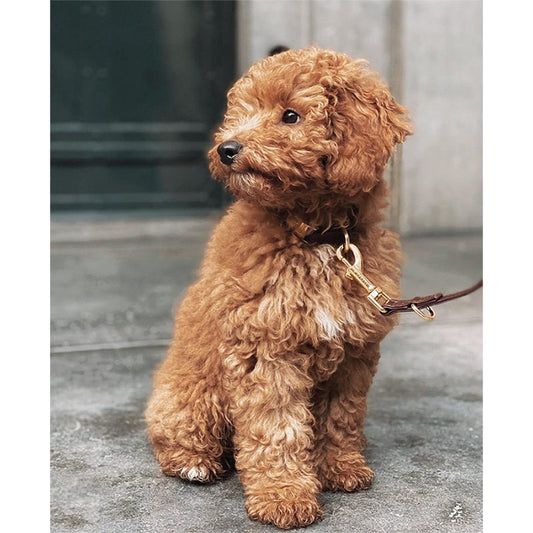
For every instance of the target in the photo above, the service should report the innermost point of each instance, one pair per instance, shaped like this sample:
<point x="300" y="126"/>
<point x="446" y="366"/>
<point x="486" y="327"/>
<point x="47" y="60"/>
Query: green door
<point x="136" y="90"/>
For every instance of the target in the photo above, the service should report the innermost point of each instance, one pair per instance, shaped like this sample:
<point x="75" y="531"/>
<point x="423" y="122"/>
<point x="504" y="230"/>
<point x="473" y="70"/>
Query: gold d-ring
<point x="431" y="315"/>
<point x="346" y="241"/>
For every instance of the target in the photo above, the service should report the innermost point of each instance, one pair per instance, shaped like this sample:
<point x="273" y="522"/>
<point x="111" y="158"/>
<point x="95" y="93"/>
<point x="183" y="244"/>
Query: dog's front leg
<point x="340" y="410"/>
<point x="274" y="443"/>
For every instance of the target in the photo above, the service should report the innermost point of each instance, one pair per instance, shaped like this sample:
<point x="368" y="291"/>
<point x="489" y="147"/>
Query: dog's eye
<point x="290" y="117"/>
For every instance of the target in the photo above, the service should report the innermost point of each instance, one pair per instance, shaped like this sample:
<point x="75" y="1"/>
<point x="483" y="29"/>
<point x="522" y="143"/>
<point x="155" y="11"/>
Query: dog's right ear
<point x="364" y="123"/>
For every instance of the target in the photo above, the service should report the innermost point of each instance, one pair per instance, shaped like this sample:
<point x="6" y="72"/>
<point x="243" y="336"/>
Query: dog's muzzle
<point x="228" y="151"/>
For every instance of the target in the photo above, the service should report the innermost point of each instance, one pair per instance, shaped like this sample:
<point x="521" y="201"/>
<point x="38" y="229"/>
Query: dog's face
<point x="306" y="127"/>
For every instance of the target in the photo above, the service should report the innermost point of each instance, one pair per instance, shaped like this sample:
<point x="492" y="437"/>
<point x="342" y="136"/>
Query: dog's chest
<point x="331" y="310"/>
<point x="308" y="299"/>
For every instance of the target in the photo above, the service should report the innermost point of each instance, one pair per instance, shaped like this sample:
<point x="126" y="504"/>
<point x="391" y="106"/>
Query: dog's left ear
<point x="364" y="124"/>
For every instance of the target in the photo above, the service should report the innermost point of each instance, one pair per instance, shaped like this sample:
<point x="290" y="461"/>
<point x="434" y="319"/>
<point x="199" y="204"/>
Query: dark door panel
<point x="136" y="89"/>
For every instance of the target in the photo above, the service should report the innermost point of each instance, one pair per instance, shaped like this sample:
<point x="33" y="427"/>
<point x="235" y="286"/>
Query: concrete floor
<point x="114" y="284"/>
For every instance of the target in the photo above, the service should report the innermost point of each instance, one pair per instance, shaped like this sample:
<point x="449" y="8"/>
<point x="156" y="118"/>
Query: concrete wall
<point x="430" y="53"/>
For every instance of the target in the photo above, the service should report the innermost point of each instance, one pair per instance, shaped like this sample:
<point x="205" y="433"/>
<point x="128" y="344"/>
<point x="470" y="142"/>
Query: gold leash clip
<point x="354" y="272"/>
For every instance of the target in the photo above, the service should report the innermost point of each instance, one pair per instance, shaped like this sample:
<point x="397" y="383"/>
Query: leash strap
<point x="422" y="302"/>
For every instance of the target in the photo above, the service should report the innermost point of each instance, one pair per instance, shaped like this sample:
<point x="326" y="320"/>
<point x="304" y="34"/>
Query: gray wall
<point x="430" y="53"/>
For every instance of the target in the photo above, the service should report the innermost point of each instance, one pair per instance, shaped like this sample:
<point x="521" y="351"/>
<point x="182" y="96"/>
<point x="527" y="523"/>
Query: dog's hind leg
<point x="186" y="421"/>
<point x="340" y="410"/>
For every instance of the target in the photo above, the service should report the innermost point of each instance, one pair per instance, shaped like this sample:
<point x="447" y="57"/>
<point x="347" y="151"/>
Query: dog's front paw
<point x="189" y="466"/>
<point x="283" y="511"/>
<point x="348" y="474"/>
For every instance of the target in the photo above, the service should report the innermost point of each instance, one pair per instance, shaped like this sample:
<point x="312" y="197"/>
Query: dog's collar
<point x="322" y="235"/>
<point x="332" y="236"/>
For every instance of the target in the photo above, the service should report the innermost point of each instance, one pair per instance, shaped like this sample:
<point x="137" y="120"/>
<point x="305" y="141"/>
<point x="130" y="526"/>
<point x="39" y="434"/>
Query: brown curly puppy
<point x="274" y="348"/>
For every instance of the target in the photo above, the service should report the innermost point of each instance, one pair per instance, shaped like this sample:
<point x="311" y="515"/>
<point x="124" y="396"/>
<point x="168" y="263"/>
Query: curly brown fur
<point x="274" y="348"/>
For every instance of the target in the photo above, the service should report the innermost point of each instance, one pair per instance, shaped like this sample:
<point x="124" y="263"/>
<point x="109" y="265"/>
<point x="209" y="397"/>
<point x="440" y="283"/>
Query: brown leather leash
<point x="422" y="302"/>
<point x="350" y="256"/>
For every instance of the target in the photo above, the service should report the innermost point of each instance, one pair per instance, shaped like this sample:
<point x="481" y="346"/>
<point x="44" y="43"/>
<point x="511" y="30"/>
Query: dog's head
<point x="307" y="125"/>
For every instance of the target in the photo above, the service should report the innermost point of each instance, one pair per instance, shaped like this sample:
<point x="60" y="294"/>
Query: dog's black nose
<point x="228" y="150"/>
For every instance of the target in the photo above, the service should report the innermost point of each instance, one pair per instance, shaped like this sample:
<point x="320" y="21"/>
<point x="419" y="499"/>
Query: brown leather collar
<point x="330" y="235"/>
<point x="333" y="236"/>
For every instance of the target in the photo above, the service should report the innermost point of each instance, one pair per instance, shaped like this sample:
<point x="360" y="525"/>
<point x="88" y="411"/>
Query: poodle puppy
<point x="274" y="348"/>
